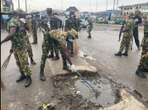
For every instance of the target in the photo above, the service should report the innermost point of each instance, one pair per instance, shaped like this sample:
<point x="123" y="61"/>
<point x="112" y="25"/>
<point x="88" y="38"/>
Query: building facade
<point x="128" y="9"/>
<point x="6" y="6"/>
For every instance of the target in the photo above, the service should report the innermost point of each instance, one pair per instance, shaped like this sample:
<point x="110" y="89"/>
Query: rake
<point x="6" y="62"/>
<point x="3" y="68"/>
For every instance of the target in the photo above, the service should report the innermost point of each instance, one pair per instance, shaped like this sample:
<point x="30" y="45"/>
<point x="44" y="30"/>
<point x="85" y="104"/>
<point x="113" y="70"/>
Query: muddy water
<point x="104" y="88"/>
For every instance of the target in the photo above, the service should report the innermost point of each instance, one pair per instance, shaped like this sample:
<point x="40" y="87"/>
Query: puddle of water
<point x="106" y="97"/>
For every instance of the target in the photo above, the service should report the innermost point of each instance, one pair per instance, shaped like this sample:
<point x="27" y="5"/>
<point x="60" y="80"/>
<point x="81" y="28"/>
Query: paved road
<point x="102" y="47"/>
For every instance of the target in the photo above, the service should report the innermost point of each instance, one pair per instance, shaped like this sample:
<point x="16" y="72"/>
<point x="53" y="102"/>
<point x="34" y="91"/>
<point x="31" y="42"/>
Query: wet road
<point x="102" y="47"/>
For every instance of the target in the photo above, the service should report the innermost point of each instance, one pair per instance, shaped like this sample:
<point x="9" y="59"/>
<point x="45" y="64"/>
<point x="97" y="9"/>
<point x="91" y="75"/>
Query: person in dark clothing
<point x="137" y="19"/>
<point x="34" y="29"/>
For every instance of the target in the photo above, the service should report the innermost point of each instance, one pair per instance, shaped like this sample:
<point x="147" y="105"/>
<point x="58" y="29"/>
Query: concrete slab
<point x="128" y="103"/>
<point x="81" y="65"/>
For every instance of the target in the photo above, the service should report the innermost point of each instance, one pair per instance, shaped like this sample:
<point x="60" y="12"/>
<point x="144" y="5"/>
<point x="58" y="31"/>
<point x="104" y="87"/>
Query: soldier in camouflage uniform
<point x="49" y="44"/>
<point x="52" y="18"/>
<point x="90" y="27"/>
<point x="127" y="37"/>
<point x="55" y="34"/>
<point x="28" y="45"/>
<point x="143" y="66"/>
<point x="16" y="36"/>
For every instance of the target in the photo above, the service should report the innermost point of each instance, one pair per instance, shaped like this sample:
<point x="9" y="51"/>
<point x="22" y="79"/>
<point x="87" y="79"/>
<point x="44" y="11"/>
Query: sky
<point x="82" y="5"/>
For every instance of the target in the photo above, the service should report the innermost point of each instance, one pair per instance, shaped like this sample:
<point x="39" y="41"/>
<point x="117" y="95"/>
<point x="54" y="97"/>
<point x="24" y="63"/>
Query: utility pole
<point x="117" y="4"/>
<point x="106" y="5"/>
<point x="26" y="6"/>
<point x="96" y="5"/>
<point x="114" y="4"/>
<point x="18" y="4"/>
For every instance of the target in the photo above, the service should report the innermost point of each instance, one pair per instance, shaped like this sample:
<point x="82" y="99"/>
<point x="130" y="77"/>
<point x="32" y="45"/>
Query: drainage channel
<point x="72" y="92"/>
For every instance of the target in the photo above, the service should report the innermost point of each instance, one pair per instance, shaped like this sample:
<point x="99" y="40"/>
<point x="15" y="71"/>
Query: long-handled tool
<point x="3" y="68"/>
<point x="6" y="62"/>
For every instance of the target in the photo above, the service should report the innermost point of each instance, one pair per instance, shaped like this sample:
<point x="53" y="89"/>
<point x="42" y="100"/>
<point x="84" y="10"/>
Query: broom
<point x="4" y="66"/>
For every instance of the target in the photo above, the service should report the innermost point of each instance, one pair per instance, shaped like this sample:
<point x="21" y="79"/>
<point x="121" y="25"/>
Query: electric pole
<point x="114" y="4"/>
<point x="106" y="5"/>
<point x="26" y="6"/>
<point x="18" y="4"/>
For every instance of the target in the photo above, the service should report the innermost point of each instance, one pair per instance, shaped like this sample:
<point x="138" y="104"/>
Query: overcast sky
<point x="82" y="5"/>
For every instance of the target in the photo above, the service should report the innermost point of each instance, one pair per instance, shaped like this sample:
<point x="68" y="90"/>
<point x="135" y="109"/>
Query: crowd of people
<point x="57" y="42"/>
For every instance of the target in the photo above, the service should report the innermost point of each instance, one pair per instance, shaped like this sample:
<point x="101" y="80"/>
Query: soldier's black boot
<point x="28" y="81"/>
<point x="21" y="78"/>
<point x="51" y="55"/>
<point x="32" y="61"/>
<point x="42" y="76"/>
<point x="118" y="54"/>
<point x="65" y="67"/>
<point x="57" y="57"/>
<point x="140" y="73"/>
<point x="125" y="54"/>
<point x="89" y="36"/>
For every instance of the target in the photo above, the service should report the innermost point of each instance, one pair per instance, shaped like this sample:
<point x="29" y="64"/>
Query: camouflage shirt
<point x="129" y="28"/>
<point x="18" y="41"/>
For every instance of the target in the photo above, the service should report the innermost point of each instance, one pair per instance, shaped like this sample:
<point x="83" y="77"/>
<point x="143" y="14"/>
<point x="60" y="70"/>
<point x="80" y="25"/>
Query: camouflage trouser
<point x="29" y="48"/>
<point x="125" y="44"/>
<point x="55" y="48"/>
<point x="45" y="51"/>
<point x="22" y="61"/>
<point x="143" y="63"/>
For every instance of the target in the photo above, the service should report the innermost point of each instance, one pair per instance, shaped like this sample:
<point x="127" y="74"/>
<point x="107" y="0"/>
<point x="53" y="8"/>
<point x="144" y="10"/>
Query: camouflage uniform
<point x="17" y="38"/>
<point x="18" y="46"/>
<point x="28" y="47"/>
<point x="143" y="66"/>
<point x="61" y="38"/>
<point x="46" y="47"/>
<point x="90" y="27"/>
<point x="127" y="38"/>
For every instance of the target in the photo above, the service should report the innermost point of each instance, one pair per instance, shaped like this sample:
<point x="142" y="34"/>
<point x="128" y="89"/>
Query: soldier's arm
<point x="10" y="35"/>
